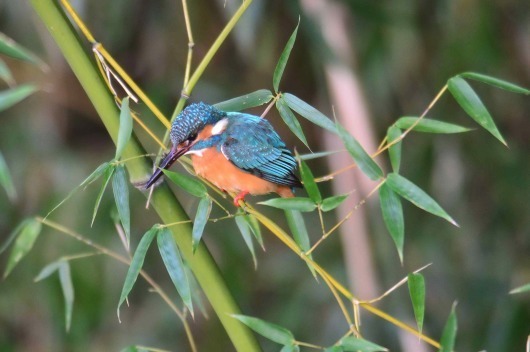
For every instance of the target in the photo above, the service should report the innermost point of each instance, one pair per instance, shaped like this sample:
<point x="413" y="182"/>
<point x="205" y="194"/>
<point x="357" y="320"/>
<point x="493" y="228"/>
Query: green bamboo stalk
<point x="163" y="200"/>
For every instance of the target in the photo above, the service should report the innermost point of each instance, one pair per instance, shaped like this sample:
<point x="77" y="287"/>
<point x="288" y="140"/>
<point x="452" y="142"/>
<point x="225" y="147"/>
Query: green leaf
<point x="449" y="333"/>
<point x="333" y="202"/>
<point x="201" y="218"/>
<point x="473" y="106"/>
<point x="296" y="224"/>
<point x="393" y="216"/>
<point x="253" y="223"/>
<point x="136" y="264"/>
<point x="290" y="348"/>
<point x="65" y="277"/>
<point x="307" y="111"/>
<point x="295" y="203"/>
<point x="109" y="171"/>
<point x="429" y="125"/>
<point x="174" y="265"/>
<point x="282" y="62"/>
<point x="351" y="343"/>
<point x="499" y="83"/>
<point x="190" y="184"/>
<point x="394" y="152"/>
<point x="310" y="156"/>
<point x="521" y="289"/>
<point x="126" y="127"/>
<point x="247" y="101"/>
<point x="5" y="179"/>
<point x="416" y="196"/>
<point x="290" y="120"/>
<point x="309" y="183"/>
<point x="244" y="228"/>
<point x="333" y="349"/>
<point x="48" y="270"/>
<point x="271" y="331"/>
<point x="10" y="48"/>
<point x="416" y="284"/>
<point x="5" y="74"/>
<point x="27" y="234"/>
<point x="121" y="196"/>
<point x="365" y="162"/>
<point x="12" y="96"/>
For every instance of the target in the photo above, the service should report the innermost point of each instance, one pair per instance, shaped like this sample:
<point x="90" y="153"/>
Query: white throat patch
<point x="220" y="126"/>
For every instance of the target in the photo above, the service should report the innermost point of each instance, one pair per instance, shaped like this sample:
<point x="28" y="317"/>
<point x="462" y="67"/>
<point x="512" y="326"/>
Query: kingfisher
<point x="237" y="152"/>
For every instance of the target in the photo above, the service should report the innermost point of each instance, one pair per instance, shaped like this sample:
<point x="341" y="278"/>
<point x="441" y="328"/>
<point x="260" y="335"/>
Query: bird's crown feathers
<point x="192" y="119"/>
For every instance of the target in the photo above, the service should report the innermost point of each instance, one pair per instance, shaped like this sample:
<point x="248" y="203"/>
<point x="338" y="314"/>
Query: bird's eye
<point x="192" y="137"/>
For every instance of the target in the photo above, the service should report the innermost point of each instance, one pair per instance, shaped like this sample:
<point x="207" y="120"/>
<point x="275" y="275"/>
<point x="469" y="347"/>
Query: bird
<point x="237" y="152"/>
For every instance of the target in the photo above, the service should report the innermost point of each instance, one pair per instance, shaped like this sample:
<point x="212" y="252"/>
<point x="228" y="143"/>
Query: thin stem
<point x="191" y="43"/>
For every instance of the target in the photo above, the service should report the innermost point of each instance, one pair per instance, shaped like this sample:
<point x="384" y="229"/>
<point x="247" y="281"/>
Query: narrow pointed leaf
<point x="449" y="333"/>
<point x="290" y="348"/>
<point x="296" y="203"/>
<point x="190" y="184"/>
<point x="393" y="216"/>
<point x="394" y="152"/>
<point x="244" y="229"/>
<point x="521" y="289"/>
<point x="430" y="126"/>
<point x="271" y="331"/>
<point x="247" y="101"/>
<point x="136" y="264"/>
<point x="365" y="162"/>
<point x="253" y="224"/>
<point x="355" y="344"/>
<point x="307" y="111"/>
<point x="416" y="284"/>
<point x="196" y="293"/>
<point x="499" y="83"/>
<point x="109" y="171"/>
<point x="13" y="235"/>
<point x="48" y="270"/>
<point x="290" y="120"/>
<point x="333" y="202"/>
<point x="416" y="196"/>
<point x="296" y="224"/>
<point x="121" y="196"/>
<point x="309" y="183"/>
<point x="126" y="127"/>
<point x="310" y="156"/>
<point x="5" y="74"/>
<point x="27" y="235"/>
<point x="333" y="349"/>
<point x="5" y="179"/>
<point x="10" y="48"/>
<point x="12" y="96"/>
<point x="174" y="265"/>
<point x="473" y="106"/>
<point x="282" y="62"/>
<point x="201" y="218"/>
<point x="65" y="277"/>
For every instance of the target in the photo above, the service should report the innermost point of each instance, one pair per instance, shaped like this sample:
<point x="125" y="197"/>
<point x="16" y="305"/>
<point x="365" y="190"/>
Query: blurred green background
<point x="401" y="53"/>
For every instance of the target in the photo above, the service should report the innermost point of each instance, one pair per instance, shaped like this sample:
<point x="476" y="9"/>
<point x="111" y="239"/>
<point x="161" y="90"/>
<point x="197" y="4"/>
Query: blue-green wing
<point x="252" y="145"/>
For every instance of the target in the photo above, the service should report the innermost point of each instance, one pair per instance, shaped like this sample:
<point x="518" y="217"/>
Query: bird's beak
<point x="170" y="158"/>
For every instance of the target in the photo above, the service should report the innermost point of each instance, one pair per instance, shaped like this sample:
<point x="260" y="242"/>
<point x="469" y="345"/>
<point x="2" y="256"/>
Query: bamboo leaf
<point x="351" y="343"/>
<point x="121" y="196"/>
<point x="5" y="179"/>
<point x="365" y="162"/>
<point x="449" y="333"/>
<point x="201" y="218"/>
<point x="296" y="224"/>
<point x="109" y="171"/>
<point x="5" y="74"/>
<point x="247" y="101"/>
<point x="393" y="216"/>
<point x="521" y="289"/>
<point x="310" y="156"/>
<point x="309" y="183"/>
<point x="499" y="83"/>
<point x="282" y="62"/>
<point x="65" y="277"/>
<point x="394" y="152"/>
<point x="333" y="349"/>
<point x="290" y="348"/>
<point x="48" y="270"/>
<point x="470" y="102"/>
<point x="136" y="264"/>
<point x="126" y="127"/>
<point x="333" y="202"/>
<point x="429" y="125"/>
<point x="12" y="96"/>
<point x="290" y="120"/>
<point x="244" y="229"/>
<point x="174" y="265"/>
<point x="10" y="48"/>
<point x="271" y="331"/>
<point x="310" y="113"/>
<point x="295" y="203"/>
<point x="190" y="184"/>
<point x="253" y="224"/>
<point x="416" y="196"/>
<point x="26" y="236"/>
<point x="416" y="284"/>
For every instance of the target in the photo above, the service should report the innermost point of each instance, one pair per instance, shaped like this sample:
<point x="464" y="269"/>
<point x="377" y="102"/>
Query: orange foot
<point x="240" y="196"/>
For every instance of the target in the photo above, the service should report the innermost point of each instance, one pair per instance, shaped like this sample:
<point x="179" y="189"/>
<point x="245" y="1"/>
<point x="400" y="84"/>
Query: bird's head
<point x="184" y="131"/>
